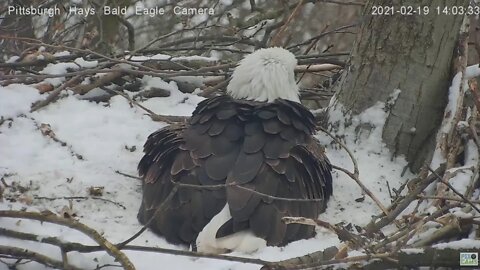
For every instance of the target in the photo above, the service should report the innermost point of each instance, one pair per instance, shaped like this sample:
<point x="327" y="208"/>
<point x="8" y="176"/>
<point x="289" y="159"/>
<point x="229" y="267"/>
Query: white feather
<point x="265" y="75"/>
<point x="244" y="241"/>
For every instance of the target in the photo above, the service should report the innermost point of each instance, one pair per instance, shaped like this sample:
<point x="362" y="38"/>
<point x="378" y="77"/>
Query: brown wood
<point x="410" y="53"/>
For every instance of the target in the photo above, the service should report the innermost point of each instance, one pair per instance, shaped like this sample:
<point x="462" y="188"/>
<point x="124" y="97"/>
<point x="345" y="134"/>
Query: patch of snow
<point x="465" y="243"/>
<point x="393" y="97"/>
<point x="58" y="69"/>
<point x="13" y="59"/>
<point x="472" y="71"/>
<point x="86" y="64"/>
<point x="374" y="115"/>
<point x="375" y="164"/>
<point x="412" y="250"/>
<point x="458" y="212"/>
<point x="195" y="58"/>
<point x="454" y="92"/>
<point x="422" y="235"/>
<point x="153" y="57"/>
<point x="62" y="53"/>
<point x="437" y="159"/>
<point x="177" y="103"/>
<point x="16" y="99"/>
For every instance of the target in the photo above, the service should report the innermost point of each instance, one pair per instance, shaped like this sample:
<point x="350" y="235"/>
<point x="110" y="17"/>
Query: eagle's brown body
<point x="265" y="147"/>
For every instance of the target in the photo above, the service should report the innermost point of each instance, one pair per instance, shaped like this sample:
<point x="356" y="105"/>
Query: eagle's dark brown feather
<point x="265" y="147"/>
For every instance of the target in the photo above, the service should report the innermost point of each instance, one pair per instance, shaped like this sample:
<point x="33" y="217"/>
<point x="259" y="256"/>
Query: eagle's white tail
<point x="244" y="241"/>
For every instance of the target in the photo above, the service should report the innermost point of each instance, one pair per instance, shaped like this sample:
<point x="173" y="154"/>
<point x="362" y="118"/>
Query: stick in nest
<point x="170" y="119"/>
<point x="94" y="235"/>
<point x="454" y="190"/>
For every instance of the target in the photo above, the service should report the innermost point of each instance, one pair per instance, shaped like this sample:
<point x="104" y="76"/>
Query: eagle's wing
<point x="161" y="150"/>
<point x="279" y="158"/>
<point x="198" y="153"/>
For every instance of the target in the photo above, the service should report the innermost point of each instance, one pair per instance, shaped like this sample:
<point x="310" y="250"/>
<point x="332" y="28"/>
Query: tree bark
<point x="411" y="53"/>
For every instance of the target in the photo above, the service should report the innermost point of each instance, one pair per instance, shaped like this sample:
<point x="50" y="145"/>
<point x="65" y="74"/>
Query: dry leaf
<point x="96" y="191"/>
<point x="46" y="130"/>
<point x="342" y="252"/>
<point x="67" y="212"/>
<point x="44" y="87"/>
<point x="25" y="199"/>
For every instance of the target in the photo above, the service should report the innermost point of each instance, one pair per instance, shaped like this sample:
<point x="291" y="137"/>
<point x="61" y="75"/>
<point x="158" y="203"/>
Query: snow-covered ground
<point x="109" y="137"/>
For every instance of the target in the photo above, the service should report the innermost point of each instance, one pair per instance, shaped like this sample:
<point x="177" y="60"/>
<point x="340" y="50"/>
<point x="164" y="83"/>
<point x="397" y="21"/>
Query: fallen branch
<point x="72" y="246"/>
<point x="54" y="94"/>
<point x="25" y="254"/>
<point x="94" y="235"/>
<point x="428" y="257"/>
<point x="170" y="119"/>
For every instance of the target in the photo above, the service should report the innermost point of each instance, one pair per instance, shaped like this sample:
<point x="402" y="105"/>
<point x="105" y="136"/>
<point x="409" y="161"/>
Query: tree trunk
<point x="411" y="53"/>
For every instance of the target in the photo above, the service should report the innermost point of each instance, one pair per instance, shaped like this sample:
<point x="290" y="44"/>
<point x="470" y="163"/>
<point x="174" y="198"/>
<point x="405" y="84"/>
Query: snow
<point x="85" y="64"/>
<point x="153" y="57"/>
<point x="104" y="134"/>
<point x="412" y="250"/>
<point x="58" y="69"/>
<point x="472" y="71"/>
<point x="195" y="58"/>
<point x="463" y="244"/>
<point x="13" y="59"/>
<point x="454" y="93"/>
<point x="61" y="53"/>
<point x="16" y="99"/>
<point x="172" y="58"/>
<point x="453" y="96"/>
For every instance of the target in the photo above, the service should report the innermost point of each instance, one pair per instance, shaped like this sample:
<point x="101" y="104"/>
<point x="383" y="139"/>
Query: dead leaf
<point x="96" y="191"/>
<point x="44" y="87"/>
<point x="46" y="130"/>
<point x="361" y="199"/>
<point x="25" y="199"/>
<point x="342" y="252"/>
<point x="67" y="212"/>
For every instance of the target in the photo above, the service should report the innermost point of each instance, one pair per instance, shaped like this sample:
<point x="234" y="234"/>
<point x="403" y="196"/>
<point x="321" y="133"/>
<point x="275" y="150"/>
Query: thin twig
<point x="453" y="189"/>
<point x="80" y="198"/>
<point x="277" y="38"/>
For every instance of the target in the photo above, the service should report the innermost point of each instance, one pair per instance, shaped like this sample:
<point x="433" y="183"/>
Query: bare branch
<point x="109" y="247"/>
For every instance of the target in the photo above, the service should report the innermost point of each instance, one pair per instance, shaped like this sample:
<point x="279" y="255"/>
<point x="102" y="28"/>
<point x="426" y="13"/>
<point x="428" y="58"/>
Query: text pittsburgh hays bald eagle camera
<point x="256" y="146"/>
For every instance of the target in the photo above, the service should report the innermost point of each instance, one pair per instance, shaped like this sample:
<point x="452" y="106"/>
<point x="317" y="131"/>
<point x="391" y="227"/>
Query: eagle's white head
<point x="265" y="75"/>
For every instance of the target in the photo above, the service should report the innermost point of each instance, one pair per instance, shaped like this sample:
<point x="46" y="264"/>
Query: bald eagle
<point x="249" y="149"/>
